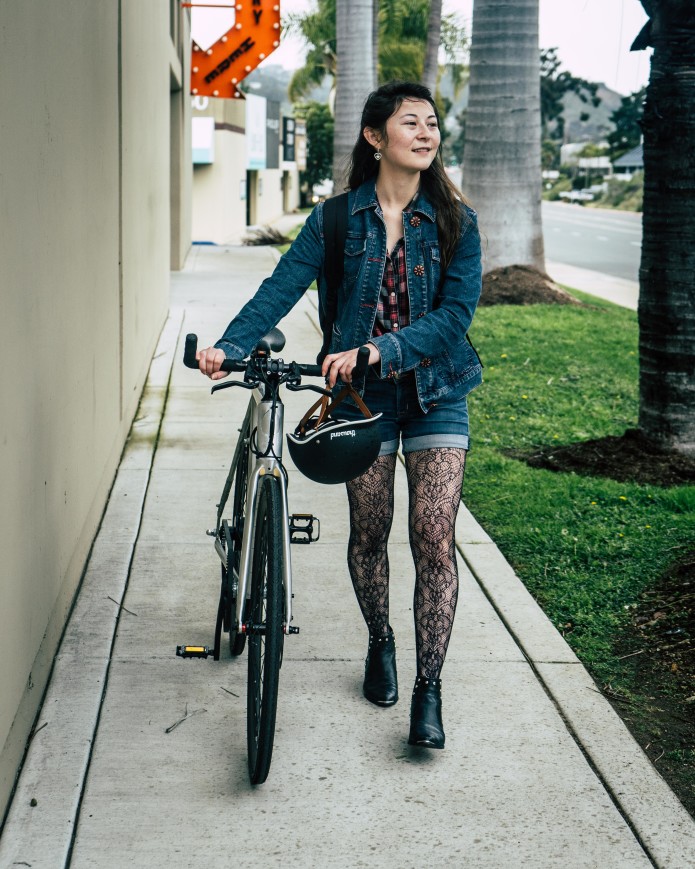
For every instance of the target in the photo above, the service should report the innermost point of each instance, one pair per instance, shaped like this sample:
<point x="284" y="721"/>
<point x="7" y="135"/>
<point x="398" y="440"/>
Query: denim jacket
<point x="434" y="345"/>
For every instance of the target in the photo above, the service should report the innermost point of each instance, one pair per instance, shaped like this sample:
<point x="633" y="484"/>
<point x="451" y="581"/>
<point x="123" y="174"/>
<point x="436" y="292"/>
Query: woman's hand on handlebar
<point x="209" y="361"/>
<point x="339" y="366"/>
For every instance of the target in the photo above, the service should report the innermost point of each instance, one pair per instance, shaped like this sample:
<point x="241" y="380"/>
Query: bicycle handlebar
<point x="191" y="349"/>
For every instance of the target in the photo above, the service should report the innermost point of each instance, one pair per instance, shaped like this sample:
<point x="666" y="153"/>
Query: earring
<point x="377" y="155"/>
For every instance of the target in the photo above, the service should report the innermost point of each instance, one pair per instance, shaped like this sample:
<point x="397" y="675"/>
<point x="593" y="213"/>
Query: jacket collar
<point x="365" y="197"/>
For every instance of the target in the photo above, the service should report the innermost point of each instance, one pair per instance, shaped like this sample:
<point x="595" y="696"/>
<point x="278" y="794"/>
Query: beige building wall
<point x="85" y="247"/>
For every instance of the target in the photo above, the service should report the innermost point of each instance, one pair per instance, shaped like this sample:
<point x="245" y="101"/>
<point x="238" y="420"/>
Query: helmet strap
<point x="328" y="405"/>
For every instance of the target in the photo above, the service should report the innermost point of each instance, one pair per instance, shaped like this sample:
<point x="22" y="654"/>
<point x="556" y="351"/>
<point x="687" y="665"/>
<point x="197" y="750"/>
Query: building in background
<point x="95" y="193"/>
<point x="247" y="158"/>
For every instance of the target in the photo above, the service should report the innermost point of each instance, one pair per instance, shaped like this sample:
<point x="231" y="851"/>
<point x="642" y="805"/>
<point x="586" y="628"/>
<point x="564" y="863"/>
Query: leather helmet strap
<point x="327" y="407"/>
<point x="354" y="395"/>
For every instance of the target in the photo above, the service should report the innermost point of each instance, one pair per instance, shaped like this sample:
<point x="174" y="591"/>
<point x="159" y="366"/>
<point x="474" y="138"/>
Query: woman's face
<point x="412" y="137"/>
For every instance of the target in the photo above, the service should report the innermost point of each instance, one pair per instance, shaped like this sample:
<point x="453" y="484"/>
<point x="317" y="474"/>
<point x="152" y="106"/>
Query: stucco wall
<point x="84" y="266"/>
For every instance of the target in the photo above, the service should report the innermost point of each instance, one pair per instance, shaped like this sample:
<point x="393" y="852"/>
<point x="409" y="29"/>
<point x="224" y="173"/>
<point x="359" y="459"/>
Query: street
<point x="596" y="239"/>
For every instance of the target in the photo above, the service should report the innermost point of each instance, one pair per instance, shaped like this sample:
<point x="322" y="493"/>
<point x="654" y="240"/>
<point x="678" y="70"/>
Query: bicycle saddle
<point x="273" y="342"/>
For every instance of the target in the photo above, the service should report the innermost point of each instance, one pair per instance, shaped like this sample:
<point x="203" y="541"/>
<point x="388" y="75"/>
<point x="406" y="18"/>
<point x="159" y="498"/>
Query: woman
<point x="412" y="280"/>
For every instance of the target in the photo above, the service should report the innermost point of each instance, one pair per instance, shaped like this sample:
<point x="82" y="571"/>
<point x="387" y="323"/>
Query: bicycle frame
<point x="259" y="466"/>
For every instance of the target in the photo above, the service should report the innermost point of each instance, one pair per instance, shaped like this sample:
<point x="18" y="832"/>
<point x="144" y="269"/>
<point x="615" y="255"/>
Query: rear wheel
<point x="266" y="615"/>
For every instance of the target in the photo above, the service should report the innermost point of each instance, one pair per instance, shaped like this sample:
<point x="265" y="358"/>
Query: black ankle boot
<point x="380" y="680"/>
<point x="426" y="726"/>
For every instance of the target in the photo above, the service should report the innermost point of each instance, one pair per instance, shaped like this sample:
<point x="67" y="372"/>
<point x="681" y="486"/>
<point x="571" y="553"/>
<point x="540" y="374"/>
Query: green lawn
<point x="584" y="546"/>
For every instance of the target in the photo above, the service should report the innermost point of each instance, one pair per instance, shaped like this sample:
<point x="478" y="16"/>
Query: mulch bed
<point x="522" y="285"/>
<point x="660" y="645"/>
<point x="630" y="457"/>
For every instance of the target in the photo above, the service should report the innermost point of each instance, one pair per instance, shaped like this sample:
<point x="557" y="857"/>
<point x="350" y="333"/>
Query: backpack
<point x="335" y="220"/>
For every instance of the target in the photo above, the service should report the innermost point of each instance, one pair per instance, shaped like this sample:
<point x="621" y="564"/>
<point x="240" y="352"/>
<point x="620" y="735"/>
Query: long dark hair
<point x="435" y="183"/>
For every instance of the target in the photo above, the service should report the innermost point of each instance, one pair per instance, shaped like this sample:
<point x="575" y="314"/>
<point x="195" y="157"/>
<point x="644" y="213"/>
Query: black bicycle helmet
<point x="328" y="450"/>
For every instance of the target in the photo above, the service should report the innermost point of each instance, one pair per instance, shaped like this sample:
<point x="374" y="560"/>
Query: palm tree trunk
<point x="502" y="153"/>
<point x="667" y="270"/>
<point x="434" y="28"/>
<point x="354" y="79"/>
<point x="375" y="40"/>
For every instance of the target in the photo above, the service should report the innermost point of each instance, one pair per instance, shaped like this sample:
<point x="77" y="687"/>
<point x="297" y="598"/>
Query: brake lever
<point x="294" y="388"/>
<point x="230" y="383"/>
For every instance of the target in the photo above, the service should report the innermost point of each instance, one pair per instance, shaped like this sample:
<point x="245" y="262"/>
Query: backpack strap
<point x="335" y="220"/>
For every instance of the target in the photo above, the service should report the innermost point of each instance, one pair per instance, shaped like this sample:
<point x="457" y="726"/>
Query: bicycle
<point x="253" y="544"/>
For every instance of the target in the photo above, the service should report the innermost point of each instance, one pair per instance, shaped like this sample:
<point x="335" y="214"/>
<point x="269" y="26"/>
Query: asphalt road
<point x="596" y="239"/>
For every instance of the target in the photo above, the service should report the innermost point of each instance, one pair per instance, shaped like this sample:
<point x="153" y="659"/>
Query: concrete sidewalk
<point x="617" y="290"/>
<point x="139" y="758"/>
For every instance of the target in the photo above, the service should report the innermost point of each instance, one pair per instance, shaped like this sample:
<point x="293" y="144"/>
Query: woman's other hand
<point x="339" y="366"/>
<point x="209" y="361"/>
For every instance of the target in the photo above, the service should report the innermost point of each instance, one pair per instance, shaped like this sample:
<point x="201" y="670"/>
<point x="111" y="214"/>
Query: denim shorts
<point x="445" y="425"/>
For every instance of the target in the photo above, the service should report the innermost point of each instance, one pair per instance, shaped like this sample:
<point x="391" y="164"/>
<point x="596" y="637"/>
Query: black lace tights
<point x="435" y="478"/>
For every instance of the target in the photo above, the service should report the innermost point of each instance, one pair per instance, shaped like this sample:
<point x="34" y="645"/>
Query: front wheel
<point x="235" y="534"/>
<point x="265" y="640"/>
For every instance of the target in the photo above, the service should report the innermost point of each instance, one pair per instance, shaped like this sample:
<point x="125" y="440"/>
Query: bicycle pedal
<point x="302" y="528"/>
<point x="292" y="629"/>
<point x="193" y="651"/>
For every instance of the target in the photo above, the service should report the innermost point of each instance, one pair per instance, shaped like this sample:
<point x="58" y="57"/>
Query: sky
<point x="593" y="38"/>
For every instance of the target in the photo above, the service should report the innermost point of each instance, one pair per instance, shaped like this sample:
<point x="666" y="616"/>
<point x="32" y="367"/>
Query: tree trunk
<point x="354" y="79"/>
<point x="667" y="270"/>
<point x="502" y="152"/>
<point x="434" y="28"/>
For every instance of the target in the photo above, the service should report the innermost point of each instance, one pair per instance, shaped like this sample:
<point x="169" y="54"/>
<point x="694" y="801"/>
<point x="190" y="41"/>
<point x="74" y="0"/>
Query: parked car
<point x="576" y="195"/>
<point x="321" y="191"/>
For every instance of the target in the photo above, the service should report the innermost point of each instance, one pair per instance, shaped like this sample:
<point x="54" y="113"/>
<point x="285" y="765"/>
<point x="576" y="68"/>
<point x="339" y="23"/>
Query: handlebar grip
<point x="190" y="351"/>
<point x="190" y="361"/>
<point x="362" y="363"/>
<point x="310" y="370"/>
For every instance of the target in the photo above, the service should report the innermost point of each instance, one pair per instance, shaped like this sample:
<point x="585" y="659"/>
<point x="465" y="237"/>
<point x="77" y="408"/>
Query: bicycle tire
<point x="237" y="641"/>
<point x="265" y="647"/>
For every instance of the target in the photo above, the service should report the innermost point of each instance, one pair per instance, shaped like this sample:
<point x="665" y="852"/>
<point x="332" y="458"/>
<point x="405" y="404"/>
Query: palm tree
<point x="355" y="78"/>
<point x="502" y="153"/>
<point x="667" y="270"/>
<point x="317" y="29"/>
<point x="434" y="29"/>
<point x="399" y="45"/>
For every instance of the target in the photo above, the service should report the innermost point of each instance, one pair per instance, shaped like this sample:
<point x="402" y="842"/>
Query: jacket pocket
<point x="354" y="254"/>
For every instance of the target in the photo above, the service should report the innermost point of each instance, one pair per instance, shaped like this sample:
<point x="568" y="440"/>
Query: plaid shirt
<point x="393" y="307"/>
